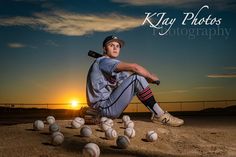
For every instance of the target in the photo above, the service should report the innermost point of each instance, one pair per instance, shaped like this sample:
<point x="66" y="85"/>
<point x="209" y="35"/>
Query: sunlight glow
<point x="74" y="103"/>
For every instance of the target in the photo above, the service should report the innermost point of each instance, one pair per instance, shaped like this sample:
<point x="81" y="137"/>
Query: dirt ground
<point x="200" y="136"/>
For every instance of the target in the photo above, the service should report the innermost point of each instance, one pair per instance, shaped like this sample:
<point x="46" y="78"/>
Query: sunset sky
<point x="44" y="45"/>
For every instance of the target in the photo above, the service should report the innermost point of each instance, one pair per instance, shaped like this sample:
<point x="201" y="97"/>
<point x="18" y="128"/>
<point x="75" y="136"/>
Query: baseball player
<point x="111" y="85"/>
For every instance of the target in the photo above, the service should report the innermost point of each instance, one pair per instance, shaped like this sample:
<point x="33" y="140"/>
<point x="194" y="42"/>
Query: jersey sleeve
<point x="108" y="65"/>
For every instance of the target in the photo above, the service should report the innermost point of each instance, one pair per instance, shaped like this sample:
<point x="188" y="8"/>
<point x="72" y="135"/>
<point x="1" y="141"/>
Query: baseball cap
<point x="113" y="38"/>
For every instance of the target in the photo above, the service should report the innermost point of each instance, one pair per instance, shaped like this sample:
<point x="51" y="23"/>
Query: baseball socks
<point x="147" y="98"/>
<point x="158" y="115"/>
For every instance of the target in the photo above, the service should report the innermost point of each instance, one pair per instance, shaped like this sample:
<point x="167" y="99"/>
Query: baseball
<point x="125" y="118"/>
<point x="129" y="124"/>
<point x="109" y="122"/>
<point x="103" y="119"/>
<point x="54" y="128"/>
<point x="38" y="125"/>
<point x="91" y="150"/>
<point x="129" y="132"/>
<point x="77" y="122"/>
<point x="80" y="120"/>
<point x="122" y="142"/>
<point x="110" y="134"/>
<point x="85" y="131"/>
<point x="50" y="120"/>
<point x="57" y="138"/>
<point x="105" y="126"/>
<point x="151" y="136"/>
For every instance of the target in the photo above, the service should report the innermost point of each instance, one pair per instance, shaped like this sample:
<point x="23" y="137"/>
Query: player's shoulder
<point x="105" y="59"/>
<point x="100" y="58"/>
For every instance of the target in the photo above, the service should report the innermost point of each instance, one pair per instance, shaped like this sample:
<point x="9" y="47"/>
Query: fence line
<point x="184" y="105"/>
<point x="136" y="106"/>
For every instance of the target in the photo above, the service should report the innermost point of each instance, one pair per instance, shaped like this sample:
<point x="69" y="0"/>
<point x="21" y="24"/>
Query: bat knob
<point x="157" y="82"/>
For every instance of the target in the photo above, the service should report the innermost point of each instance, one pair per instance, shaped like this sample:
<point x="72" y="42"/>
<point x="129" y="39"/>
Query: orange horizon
<point x="135" y="106"/>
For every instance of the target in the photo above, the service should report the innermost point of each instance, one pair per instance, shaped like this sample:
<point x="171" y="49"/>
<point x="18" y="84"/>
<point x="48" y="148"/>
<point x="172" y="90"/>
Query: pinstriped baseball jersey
<point x="102" y="80"/>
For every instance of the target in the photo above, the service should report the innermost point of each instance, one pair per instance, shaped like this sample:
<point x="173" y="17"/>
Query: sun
<point x="74" y="103"/>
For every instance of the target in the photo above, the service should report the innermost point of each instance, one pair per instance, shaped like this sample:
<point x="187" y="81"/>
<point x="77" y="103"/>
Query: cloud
<point x="154" y="2"/>
<point x="207" y="87"/>
<point x="51" y="43"/>
<point x="15" y="45"/>
<point x="226" y="75"/>
<point x="230" y="68"/>
<point x="219" y="4"/>
<point x="174" y="91"/>
<point x="72" y="24"/>
<point x="179" y="91"/>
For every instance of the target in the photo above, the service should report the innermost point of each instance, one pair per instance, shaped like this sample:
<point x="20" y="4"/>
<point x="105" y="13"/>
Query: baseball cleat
<point x="168" y="119"/>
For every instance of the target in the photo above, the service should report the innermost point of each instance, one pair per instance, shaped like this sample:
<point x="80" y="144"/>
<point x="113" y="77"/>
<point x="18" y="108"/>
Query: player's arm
<point x="135" y="68"/>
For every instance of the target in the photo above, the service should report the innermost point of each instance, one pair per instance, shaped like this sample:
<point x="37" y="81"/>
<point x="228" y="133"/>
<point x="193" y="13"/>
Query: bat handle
<point x="157" y="82"/>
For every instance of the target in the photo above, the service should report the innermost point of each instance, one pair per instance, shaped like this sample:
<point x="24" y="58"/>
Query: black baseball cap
<point x="113" y="38"/>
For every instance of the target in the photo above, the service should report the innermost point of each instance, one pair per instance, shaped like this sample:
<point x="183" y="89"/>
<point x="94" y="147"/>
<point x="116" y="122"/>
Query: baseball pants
<point x="122" y="96"/>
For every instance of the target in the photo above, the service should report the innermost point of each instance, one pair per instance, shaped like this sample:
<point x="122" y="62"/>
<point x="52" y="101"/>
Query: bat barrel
<point x="94" y="54"/>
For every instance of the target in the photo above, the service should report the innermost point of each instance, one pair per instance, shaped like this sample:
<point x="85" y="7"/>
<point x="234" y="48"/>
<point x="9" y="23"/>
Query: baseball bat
<point x="94" y="54"/>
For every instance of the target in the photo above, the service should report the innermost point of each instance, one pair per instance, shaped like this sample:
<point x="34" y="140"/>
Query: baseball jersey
<point x="102" y="79"/>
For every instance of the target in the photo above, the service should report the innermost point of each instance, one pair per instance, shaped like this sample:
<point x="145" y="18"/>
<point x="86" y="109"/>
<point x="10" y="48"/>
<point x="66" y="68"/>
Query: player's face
<point x="112" y="49"/>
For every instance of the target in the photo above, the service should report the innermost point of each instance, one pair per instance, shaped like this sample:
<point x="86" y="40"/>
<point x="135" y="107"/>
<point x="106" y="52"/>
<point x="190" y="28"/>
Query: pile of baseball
<point x="57" y="137"/>
<point x="106" y="126"/>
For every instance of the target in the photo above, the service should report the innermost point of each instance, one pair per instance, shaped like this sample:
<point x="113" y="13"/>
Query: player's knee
<point x="141" y="78"/>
